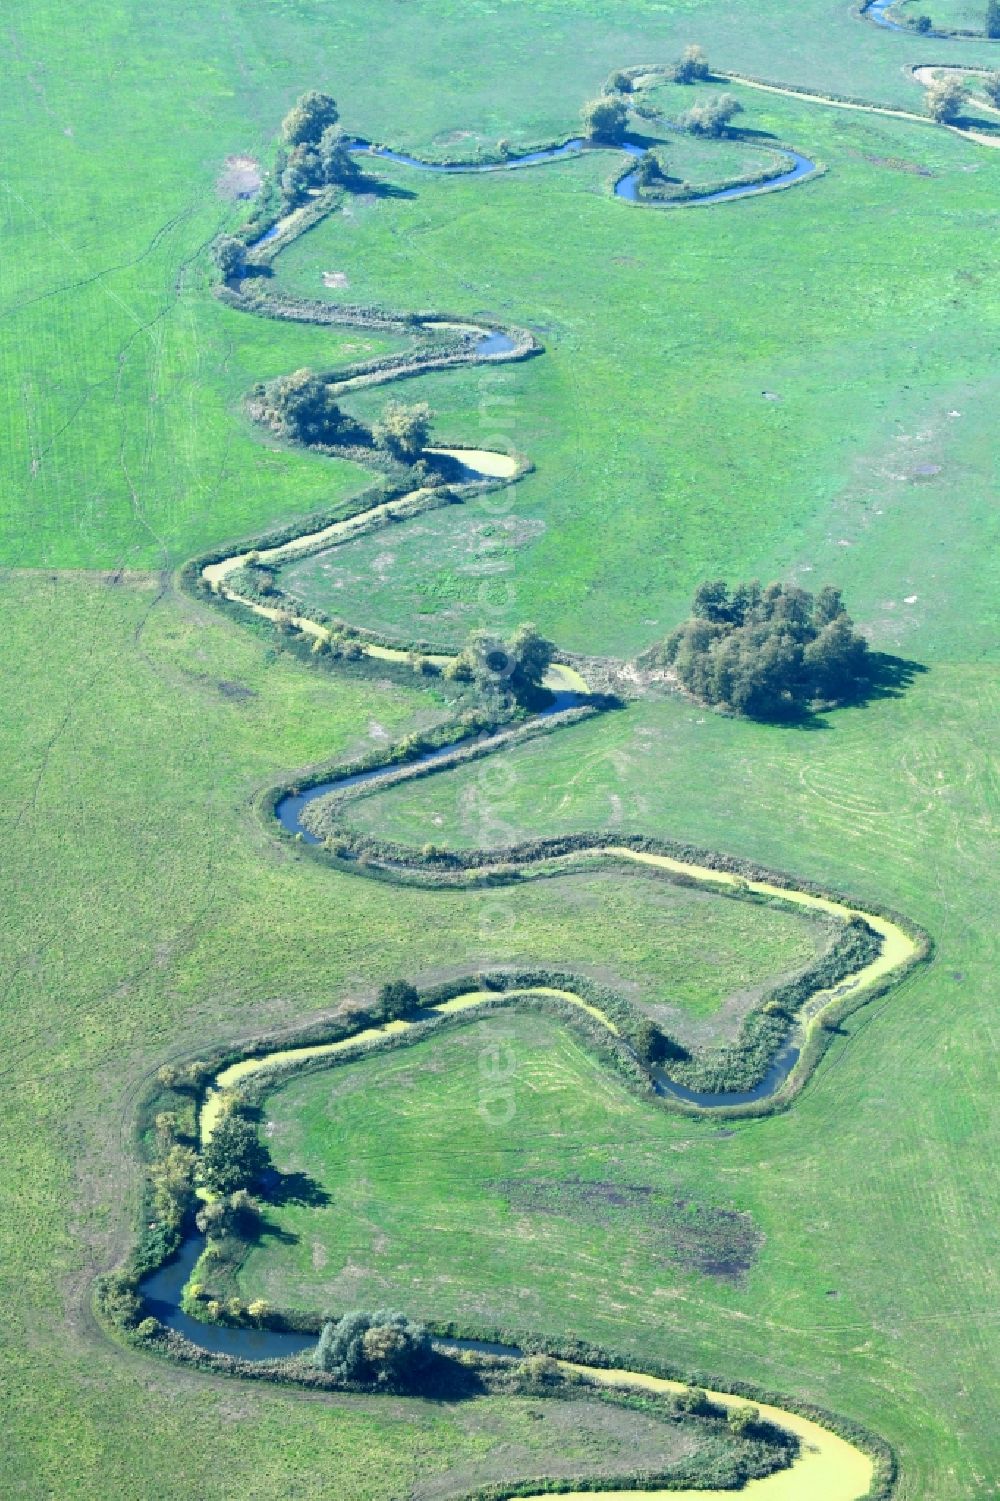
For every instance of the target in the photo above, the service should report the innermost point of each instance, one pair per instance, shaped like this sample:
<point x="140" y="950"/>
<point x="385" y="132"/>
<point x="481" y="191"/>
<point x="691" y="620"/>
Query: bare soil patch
<point x="240" y="177"/>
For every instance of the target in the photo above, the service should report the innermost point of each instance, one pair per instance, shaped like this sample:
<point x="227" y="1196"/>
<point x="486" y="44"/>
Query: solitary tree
<point x="618" y="83"/>
<point x="993" y="18"/>
<point x="650" y="169"/>
<point x="713" y="117"/>
<point x="230" y="257"/>
<point x="234" y="1156"/>
<point x="605" y="119"/>
<point x="396" y="999"/>
<point x="309" y="117"/>
<point x="923" y="24"/>
<point x="945" y="97"/>
<point x="991" y="87"/>
<point x="692" y="66"/>
<point x="403" y="430"/>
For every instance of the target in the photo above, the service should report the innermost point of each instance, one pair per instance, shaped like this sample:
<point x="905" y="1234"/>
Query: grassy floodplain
<point x="780" y="407"/>
<point x="146" y="912"/>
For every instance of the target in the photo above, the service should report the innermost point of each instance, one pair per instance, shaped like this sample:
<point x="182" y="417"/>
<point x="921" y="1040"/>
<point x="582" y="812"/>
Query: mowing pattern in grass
<point x="872" y="1292"/>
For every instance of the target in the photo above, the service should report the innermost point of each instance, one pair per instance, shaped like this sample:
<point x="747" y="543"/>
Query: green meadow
<point x="800" y="385"/>
<point x="788" y="407"/>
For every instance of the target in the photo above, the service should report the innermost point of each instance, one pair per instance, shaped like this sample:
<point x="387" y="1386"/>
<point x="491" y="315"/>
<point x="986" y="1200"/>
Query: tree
<point x="335" y="160"/>
<point x="993" y="18"/>
<point x="836" y="659"/>
<point x="945" y="97"/>
<point x="309" y="117"/>
<point x="231" y="257"/>
<point x="236" y="1211"/>
<point x="741" y="1421"/>
<point x="618" y="83"/>
<point x="713" y="117"/>
<point x="301" y="406"/>
<point x="923" y="24"/>
<point x="234" y="1156"/>
<point x="532" y="656"/>
<point x="184" y="1076"/>
<point x="650" y="169"/>
<point x="172" y="1179"/>
<point x="403" y="430"/>
<point x="396" y="999"/>
<point x="694" y="1399"/>
<point x="515" y="667"/>
<point x="377" y="1349"/>
<point x="692" y="67"/>
<point x="605" y="119"/>
<point x="303" y="171"/>
<point x="991" y="86"/>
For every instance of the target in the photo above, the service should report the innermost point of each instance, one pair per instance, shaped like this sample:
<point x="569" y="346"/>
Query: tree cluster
<point x="403" y="430"/>
<point x="374" y="1349"/>
<point x="711" y="118"/>
<point x="992" y="26"/>
<point x="515" y="667"/>
<point x="768" y="651"/>
<point x="320" y="151"/>
<point x="300" y="406"/>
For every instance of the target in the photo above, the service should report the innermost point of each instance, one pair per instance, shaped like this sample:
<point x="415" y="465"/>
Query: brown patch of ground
<point x="335" y="279"/>
<point x="240" y="177"/>
<point x="899" y="164"/>
<point x="698" y="1237"/>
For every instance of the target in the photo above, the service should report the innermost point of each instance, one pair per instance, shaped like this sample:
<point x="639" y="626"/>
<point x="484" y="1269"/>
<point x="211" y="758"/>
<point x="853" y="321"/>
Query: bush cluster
<point x="375" y="1349"/>
<point x="712" y="118"/>
<point x="320" y="152"/>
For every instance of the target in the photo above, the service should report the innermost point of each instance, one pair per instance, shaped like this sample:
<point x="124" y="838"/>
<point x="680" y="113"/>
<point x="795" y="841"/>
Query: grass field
<point x="946" y="15"/>
<point x="149" y="915"/>
<point x="825" y="443"/>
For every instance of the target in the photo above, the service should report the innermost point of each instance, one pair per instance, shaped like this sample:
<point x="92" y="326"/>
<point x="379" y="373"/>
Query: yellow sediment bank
<point x="482" y="460"/>
<point x="828" y="1468"/>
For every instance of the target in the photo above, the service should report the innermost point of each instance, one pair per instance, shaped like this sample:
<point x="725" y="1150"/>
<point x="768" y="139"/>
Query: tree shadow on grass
<point x="886" y="677"/>
<point x="365" y="185"/>
<point x="293" y="1188"/>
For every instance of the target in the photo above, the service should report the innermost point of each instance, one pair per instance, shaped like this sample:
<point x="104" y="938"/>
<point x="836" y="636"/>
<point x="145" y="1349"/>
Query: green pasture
<point x="554" y="1202"/>
<point x="120" y="378"/>
<point x="802" y="384"/>
<point x="946" y="15"/>
<point x="205" y="929"/>
<point x="790" y="370"/>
